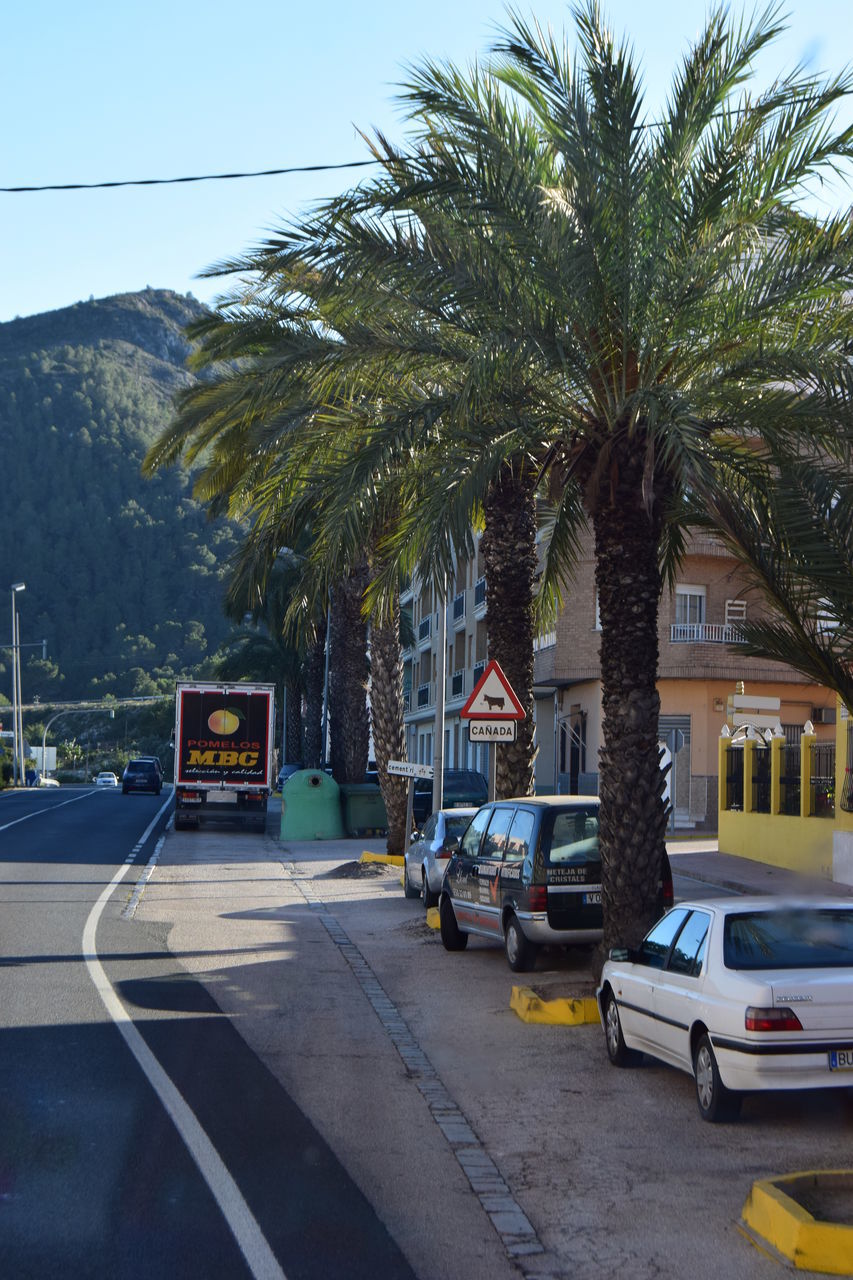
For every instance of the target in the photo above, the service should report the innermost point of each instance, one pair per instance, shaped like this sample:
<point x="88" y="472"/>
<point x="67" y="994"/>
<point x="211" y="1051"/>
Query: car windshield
<point x="574" y="836"/>
<point x="801" y="938"/>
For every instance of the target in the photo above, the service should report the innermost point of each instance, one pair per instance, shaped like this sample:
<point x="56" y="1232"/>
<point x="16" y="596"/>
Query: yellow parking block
<point x="783" y="1223"/>
<point x="391" y="859"/>
<point x="555" y="1013"/>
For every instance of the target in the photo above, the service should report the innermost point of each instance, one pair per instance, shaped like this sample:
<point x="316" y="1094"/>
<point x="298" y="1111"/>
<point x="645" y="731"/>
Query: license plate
<point x="841" y="1059"/>
<point x="592" y="899"/>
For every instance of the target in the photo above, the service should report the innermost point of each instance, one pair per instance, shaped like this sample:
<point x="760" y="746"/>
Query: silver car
<point x="426" y="859"/>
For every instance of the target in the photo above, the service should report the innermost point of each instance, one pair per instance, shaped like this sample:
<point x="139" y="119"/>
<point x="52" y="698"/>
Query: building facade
<point x="699" y="668"/>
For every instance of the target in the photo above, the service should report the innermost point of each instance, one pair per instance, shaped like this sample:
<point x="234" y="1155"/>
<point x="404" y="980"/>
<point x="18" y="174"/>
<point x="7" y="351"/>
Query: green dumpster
<point x="363" y="809"/>
<point x="311" y="807"/>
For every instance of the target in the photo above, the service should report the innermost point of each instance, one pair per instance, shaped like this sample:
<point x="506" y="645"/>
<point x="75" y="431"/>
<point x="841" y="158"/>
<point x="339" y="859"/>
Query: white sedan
<point x="429" y="853"/>
<point x="743" y="993"/>
<point x="106" y="780"/>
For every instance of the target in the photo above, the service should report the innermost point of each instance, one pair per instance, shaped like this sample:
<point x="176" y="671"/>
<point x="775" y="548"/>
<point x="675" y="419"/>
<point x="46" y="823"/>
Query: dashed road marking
<point x="251" y="1241"/>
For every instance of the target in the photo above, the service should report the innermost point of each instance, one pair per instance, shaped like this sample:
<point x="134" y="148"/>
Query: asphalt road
<point x="139" y="1135"/>
<point x="394" y="1048"/>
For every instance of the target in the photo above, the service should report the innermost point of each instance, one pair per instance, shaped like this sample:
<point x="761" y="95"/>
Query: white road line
<point x="250" y="1239"/>
<point x="146" y="875"/>
<point x="48" y="809"/>
<point x="152" y="824"/>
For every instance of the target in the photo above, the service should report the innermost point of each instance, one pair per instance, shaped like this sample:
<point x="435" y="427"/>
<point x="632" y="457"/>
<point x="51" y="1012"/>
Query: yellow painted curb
<point x="791" y="1230"/>
<point x="392" y="859"/>
<point x="555" y="1013"/>
<point x="433" y="919"/>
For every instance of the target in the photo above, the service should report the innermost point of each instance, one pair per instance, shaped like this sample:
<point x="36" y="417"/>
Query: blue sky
<point x="103" y="91"/>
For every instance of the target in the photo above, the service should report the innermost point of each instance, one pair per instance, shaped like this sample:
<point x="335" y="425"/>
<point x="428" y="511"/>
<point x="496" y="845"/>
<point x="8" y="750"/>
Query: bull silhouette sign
<point x="493" y="698"/>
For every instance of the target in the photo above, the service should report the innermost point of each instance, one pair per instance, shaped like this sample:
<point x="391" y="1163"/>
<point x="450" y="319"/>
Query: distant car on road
<point x="48" y="782"/>
<point x="106" y="780"/>
<point x="742" y="993"/>
<point x="142" y="774"/>
<point x="428" y="854"/>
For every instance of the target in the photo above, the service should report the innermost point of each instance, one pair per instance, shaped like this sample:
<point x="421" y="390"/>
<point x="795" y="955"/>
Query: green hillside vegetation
<point x="124" y="575"/>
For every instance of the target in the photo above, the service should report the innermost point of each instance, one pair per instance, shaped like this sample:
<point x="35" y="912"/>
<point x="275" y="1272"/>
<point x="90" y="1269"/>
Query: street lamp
<point x="17" y="716"/>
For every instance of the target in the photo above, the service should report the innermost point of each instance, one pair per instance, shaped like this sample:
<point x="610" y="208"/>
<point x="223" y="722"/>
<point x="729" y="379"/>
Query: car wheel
<point x="520" y="952"/>
<point x="716" y="1102"/>
<point x="430" y="897"/>
<point x="617" y="1050"/>
<point x="408" y="888"/>
<point x="451" y="935"/>
<point x="124" y="791"/>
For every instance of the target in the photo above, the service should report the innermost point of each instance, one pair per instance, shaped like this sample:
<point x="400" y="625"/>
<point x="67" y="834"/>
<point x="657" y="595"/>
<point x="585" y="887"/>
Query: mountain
<point x="124" y="575"/>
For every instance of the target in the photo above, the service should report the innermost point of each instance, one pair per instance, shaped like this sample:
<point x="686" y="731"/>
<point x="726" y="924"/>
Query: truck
<point x="223" y="753"/>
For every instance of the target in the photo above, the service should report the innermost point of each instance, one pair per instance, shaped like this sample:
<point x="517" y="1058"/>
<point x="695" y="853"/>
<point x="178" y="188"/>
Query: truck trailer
<point x="223" y="753"/>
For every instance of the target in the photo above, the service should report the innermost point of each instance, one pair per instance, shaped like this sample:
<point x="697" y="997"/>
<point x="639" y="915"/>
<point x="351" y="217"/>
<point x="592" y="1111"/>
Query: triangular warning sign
<point x="493" y="698"/>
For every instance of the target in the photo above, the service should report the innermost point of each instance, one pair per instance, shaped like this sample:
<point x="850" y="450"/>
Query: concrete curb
<point x="810" y="1244"/>
<point x="391" y="859"/>
<point x="555" y="1013"/>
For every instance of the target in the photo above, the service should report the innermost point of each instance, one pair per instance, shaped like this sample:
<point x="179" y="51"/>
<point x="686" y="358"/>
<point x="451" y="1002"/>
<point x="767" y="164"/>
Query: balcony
<point x="546" y="640"/>
<point x="425" y="629"/>
<point x="457" y="684"/>
<point x="479" y="597"/>
<point x="458" y="609"/>
<point x="407" y="700"/>
<point x="424" y="695"/>
<point x="479" y="668"/>
<point x="705" y="633"/>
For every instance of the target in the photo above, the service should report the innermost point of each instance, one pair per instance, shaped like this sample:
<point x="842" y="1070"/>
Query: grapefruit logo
<point x="225" y="721"/>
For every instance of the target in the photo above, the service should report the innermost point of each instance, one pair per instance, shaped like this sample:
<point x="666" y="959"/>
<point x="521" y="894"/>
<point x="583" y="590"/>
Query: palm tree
<point x="679" y="307"/>
<point x="549" y="293"/>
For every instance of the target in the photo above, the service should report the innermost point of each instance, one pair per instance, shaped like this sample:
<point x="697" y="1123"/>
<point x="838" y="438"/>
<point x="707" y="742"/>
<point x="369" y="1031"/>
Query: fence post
<point x="723" y="743"/>
<point x="748" y="769"/>
<point x="777" y="755"/>
<point x="807" y="741"/>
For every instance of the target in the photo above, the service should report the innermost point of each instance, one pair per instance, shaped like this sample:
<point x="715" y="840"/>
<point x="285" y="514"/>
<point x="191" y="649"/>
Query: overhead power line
<point x="198" y="177"/>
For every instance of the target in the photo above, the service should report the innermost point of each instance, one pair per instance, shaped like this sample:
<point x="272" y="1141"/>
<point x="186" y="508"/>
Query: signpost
<point x="492" y="711"/>
<point x="405" y="769"/>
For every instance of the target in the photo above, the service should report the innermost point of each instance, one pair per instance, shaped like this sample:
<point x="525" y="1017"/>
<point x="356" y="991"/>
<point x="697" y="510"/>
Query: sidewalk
<point x="702" y="860"/>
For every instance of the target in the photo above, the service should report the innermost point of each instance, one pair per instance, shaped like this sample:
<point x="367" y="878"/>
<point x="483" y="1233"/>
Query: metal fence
<point x="734" y="777"/>
<point x="823" y="780"/>
<point x="761" y="780"/>
<point x="789" y="800"/>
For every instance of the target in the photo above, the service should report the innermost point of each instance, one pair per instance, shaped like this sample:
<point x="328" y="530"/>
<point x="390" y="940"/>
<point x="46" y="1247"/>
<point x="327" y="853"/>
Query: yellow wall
<point x="797" y="843"/>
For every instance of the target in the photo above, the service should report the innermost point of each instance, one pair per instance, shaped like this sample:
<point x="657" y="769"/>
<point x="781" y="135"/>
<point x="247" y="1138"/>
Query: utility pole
<point x="440" y="680"/>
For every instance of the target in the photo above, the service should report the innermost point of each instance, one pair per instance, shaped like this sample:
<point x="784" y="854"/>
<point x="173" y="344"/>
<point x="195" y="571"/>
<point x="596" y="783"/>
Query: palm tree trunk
<point x="348" y="673"/>
<point x="314" y="672"/>
<point x="386" y="711"/>
<point x="293" y="722"/>
<point x="633" y="814"/>
<point x="509" y="556"/>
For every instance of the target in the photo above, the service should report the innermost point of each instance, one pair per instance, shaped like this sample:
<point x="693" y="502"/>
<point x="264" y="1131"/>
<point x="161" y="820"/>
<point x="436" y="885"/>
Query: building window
<point x="689" y="605"/>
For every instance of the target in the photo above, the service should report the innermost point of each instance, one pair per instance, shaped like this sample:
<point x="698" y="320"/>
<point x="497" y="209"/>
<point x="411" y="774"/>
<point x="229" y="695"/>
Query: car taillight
<point x="668" y="893"/>
<point x="780" y="1019"/>
<point x="444" y="853"/>
<point x="538" y="897"/>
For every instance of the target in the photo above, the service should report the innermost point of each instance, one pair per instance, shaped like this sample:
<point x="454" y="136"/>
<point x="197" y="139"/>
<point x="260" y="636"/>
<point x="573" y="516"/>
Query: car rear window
<point x="465" y="785"/>
<point x="454" y="827"/>
<point x="574" y="837"/>
<point x="801" y="938"/>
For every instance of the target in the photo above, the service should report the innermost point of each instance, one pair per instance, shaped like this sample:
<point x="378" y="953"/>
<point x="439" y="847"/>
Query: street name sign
<point x="493" y="699"/>
<point x="492" y="730"/>
<point x="404" y="769"/>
